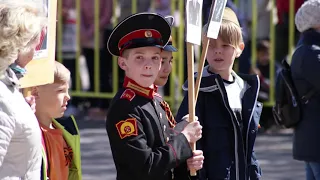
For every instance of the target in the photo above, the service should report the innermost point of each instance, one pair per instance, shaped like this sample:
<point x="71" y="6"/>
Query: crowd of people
<point x="39" y="141"/>
<point x="97" y="107"/>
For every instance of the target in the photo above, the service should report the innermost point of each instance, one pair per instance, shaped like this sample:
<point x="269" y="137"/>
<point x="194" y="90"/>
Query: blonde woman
<point x="20" y="136"/>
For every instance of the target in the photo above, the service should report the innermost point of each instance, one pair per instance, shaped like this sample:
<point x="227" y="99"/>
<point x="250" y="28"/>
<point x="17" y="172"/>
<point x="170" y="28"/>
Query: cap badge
<point x="148" y="34"/>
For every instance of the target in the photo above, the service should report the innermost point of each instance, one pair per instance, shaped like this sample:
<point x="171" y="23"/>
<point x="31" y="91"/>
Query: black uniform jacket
<point x="140" y="136"/>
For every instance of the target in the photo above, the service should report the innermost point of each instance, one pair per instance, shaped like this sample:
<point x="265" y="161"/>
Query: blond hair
<point x="229" y="33"/>
<point x="61" y="73"/>
<point x="21" y="24"/>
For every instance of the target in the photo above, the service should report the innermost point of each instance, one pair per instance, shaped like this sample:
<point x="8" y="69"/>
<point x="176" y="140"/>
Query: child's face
<point x="221" y="55"/>
<point x="263" y="57"/>
<point x="142" y="65"/>
<point x="166" y="67"/>
<point x="52" y="99"/>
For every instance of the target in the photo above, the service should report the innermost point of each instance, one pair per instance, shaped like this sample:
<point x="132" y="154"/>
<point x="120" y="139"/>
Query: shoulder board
<point x="128" y="94"/>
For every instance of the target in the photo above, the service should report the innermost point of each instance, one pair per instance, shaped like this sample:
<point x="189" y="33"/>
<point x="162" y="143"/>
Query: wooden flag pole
<point x="206" y="42"/>
<point x="193" y="36"/>
<point x="191" y="102"/>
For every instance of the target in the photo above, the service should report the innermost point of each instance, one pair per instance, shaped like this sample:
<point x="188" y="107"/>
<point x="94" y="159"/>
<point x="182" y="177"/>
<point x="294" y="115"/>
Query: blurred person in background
<point x="126" y="7"/>
<point x="20" y="136"/>
<point x="263" y="71"/>
<point x="97" y="110"/>
<point x="282" y="27"/>
<point x="162" y="7"/>
<point x="264" y="10"/>
<point x="69" y="47"/>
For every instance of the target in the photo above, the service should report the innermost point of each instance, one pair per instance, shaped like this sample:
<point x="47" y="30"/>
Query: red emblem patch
<point x="128" y="94"/>
<point x="127" y="128"/>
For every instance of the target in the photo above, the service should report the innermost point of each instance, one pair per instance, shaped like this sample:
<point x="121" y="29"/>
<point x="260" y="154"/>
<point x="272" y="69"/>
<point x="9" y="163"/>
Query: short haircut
<point x="61" y="73"/>
<point x="230" y="33"/>
<point x="125" y="53"/>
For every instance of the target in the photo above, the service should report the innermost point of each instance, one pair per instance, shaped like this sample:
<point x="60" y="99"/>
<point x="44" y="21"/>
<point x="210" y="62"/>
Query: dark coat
<point x="305" y="68"/>
<point x="228" y="151"/>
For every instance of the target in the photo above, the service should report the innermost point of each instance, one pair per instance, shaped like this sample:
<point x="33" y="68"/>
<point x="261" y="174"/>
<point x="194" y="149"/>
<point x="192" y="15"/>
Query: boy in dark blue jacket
<point x="227" y="109"/>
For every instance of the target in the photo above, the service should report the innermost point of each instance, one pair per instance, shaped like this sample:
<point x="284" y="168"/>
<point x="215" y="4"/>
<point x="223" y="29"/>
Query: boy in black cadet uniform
<point x="180" y="173"/>
<point x="135" y="121"/>
<point x="227" y="109"/>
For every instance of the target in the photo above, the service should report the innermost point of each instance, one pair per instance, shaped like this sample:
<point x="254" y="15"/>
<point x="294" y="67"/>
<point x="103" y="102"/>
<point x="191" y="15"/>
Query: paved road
<point x="273" y="151"/>
<point x="275" y="156"/>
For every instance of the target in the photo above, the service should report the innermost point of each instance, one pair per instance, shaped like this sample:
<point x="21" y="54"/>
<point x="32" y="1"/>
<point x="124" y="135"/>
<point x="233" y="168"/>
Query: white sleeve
<point x="7" y="126"/>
